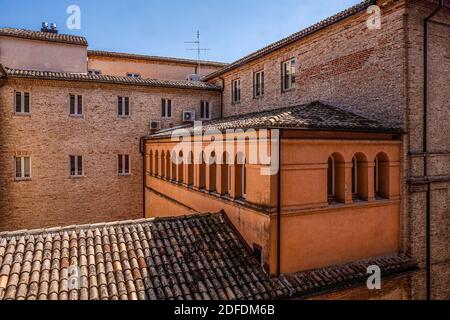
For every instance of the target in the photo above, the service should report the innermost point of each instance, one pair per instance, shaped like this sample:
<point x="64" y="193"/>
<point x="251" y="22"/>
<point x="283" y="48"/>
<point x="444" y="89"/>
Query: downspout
<point x="279" y="206"/>
<point x="221" y="96"/>
<point x="425" y="148"/>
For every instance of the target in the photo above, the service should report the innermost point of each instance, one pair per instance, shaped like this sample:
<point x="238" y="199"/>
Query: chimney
<point x="44" y="27"/>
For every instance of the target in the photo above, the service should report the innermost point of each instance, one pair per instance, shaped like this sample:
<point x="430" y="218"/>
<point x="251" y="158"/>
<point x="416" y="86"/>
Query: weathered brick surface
<point x="50" y="135"/>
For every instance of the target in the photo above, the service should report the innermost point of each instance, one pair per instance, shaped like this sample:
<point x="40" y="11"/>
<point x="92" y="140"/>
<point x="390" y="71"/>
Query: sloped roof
<point x="122" y="55"/>
<point x="84" y="77"/>
<point x="193" y="257"/>
<point x="312" y="116"/>
<point x="294" y="37"/>
<point x="44" y="36"/>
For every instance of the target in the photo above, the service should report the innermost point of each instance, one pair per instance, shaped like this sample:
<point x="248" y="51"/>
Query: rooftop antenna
<point x="199" y="49"/>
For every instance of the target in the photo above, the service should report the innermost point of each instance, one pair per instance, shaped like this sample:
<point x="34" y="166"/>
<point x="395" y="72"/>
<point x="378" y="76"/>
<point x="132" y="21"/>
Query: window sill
<point x="236" y="103"/>
<point x="77" y="177"/>
<point x="22" y="179"/>
<point x="288" y="90"/>
<point x="123" y="117"/>
<point x="124" y="174"/>
<point x="76" y="116"/>
<point x="258" y="97"/>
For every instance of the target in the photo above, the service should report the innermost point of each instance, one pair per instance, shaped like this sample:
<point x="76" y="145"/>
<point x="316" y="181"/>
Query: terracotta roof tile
<point x="313" y="116"/>
<point x="294" y="37"/>
<point x="44" y="36"/>
<point x="83" y="77"/>
<point x="135" y="260"/>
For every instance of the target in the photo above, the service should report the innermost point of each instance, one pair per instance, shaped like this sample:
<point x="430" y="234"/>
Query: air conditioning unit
<point x="188" y="116"/>
<point x="194" y="77"/>
<point x="155" y="125"/>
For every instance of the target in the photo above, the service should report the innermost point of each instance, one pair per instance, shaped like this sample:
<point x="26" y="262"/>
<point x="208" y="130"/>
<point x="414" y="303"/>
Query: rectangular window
<point x="22" y="102"/>
<point x="94" y="72"/>
<point x="204" y="110"/>
<point x="76" y="105"/>
<point x="258" y="84"/>
<point x="123" y="164"/>
<point x="166" y="108"/>
<point x="123" y="106"/>
<point x="236" y="91"/>
<point x="22" y="169"/>
<point x="76" y="166"/>
<point x="133" y="75"/>
<point x="288" y="75"/>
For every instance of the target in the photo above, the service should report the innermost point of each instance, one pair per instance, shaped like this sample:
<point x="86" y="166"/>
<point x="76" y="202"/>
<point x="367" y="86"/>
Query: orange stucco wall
<point x="42" y="55"/>
<point x="314" y="232"/>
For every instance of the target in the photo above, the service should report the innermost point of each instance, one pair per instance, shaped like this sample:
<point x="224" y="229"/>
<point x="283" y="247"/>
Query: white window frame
<point x="22" y="176"/>
<point x="122" y="157"/>
<point x="261" y="83"/>
<point x="22" y="103"/>
<point x="286" y="66"/>
<point x="236" y="91"/>
<point x="166" y="108"/>
<point x="76" y="114"/>
<point x="76" y="175"/>
<point x="205" y="105"/>
<point x="122" y="107"/>
<point x="133" y="75"/>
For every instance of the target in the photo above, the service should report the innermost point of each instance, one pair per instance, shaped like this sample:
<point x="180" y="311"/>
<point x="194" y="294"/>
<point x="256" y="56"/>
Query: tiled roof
<point x="83" y="77"/>
<point x="313" y="116"/>
<point x="192" y="257"/>
<point x="303" y="284"/>
<point x="294" y="37"/>
<point x="45" y="36"/>
<point x="95" y="53"/>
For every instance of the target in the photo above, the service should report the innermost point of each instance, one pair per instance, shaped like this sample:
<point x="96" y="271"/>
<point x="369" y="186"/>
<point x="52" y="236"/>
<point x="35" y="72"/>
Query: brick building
<point x="72" y="154"/>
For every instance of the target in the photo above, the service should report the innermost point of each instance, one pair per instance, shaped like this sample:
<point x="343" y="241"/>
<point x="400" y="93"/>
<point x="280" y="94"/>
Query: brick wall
<point x="49" y="135"/>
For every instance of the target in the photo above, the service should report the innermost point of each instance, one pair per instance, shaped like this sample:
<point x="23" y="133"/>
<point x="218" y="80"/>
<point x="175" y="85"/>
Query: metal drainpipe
<point x="425" y="148"/>
<point x="279" y="207"/>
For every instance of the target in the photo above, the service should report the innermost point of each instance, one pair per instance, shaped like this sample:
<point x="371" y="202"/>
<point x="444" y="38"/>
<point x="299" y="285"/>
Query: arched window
<point x="336" y="178"/>
<point x="150" y="163"/>
<point x="381" y="176"/>
<point x="180" y="171"/>
<point x="168" y="165"/>
<point x="173" y="176"/>
<point x="211" y="176"/>
<point x="190" y="169"/>
<point x="202" y="171"/>
<point x="330" y="178"/>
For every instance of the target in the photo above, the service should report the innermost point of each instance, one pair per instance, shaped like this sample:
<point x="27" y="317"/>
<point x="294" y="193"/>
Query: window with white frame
<point x="76" y="166"/>
<point x="76" y="105"/>
<point x="288" y="75"/>
<point x="123" y="167"/>
<point x="204" y="110"/>
<point x="166" y="108"/>
<point x="258" y="84"/>
<point x="236" y="91"/>
<point x="123" y="106"/>
<point x="22" y="168"/>
<point x="133" y="75"/>
<point x="21" y="102"/>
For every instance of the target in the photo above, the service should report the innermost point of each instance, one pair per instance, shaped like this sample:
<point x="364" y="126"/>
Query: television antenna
<point x="199" y="50"/>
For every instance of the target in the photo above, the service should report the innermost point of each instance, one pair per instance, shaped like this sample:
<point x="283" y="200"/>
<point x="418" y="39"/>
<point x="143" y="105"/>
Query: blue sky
<point x="231" y="28"/>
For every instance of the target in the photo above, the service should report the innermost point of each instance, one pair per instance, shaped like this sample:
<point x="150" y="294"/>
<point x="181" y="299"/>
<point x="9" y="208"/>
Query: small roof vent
<point x="49" y="28"/>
